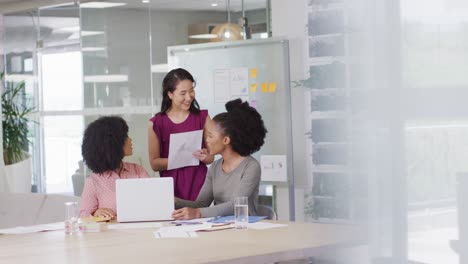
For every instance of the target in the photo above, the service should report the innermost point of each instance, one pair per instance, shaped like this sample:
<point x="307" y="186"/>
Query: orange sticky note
<point x="272" y="87"/>
<point x="253" y="73"/>
<point x="264" y="87"/>
<point x="253" y="87"/>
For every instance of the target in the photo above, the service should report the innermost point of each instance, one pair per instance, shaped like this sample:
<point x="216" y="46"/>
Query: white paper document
<point x="134" y="225"/>
<point x="274" y="168"/>
<point x="231" y="84"/>
<point x="181" y="147"/>
<point x="184" y="234"/>
<point x="239" y="82"/>
<point x="181" y="231"/>
<point x="33" y="229"/>
<point x="221" y="85"/>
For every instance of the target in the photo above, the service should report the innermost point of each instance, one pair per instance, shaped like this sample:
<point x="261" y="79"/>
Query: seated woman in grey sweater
<point x="235" y="135"/>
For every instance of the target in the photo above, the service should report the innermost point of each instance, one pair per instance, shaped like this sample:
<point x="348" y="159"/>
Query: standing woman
<point x="179" y="113"/>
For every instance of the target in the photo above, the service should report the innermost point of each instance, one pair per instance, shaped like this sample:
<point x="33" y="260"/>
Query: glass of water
<point x="71" y="218"/>
<point x="241" y="212"/>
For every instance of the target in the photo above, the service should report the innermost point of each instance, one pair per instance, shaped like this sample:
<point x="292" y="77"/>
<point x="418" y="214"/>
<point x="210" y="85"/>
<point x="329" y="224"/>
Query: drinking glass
<point x="71" y="218"/>
<point x="241" y="212"/>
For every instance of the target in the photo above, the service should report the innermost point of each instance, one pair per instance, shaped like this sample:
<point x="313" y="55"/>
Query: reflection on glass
<point x="62" y="86"/>
<point x="62" y="151"/>
<point x="116" y="57"/>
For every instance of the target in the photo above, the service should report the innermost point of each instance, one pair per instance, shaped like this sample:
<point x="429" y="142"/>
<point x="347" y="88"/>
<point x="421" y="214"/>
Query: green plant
<point x="14" y="121"/>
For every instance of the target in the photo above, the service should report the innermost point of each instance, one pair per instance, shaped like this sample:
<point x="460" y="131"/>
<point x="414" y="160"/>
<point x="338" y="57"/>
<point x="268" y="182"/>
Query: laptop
<point x="144" y="199"/>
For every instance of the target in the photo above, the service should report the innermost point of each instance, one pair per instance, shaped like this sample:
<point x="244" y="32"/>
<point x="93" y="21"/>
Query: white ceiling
<point x="201" y="5"/>
<point x="193" y="5"/>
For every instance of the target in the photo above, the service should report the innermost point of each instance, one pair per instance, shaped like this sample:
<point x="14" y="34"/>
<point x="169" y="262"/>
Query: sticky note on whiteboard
<point x="253" y="87"/>
<point x="264" y="87"/>
<point x="274" y="168"/>
<point x="253" y="73"/>
<point x="272" y="87"/>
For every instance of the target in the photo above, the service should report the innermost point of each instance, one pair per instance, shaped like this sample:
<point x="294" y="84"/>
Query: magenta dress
<point x="187" y="180"/>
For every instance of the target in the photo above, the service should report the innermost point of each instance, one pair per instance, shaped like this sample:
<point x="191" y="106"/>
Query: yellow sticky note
<point x="253" y="87"/>
<point x="272" y="87"/>
<point x="264" y="87"/>
<point x="253" y="73"/>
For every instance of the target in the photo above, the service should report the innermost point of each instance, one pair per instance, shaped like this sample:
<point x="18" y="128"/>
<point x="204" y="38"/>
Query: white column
<point x="289" y="19"/>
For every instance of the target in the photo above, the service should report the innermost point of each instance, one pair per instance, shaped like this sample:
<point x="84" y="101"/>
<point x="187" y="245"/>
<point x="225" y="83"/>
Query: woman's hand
<point x="186" y="213"/>
<point x="104" y="212"/>
<point x="201" y="154"/>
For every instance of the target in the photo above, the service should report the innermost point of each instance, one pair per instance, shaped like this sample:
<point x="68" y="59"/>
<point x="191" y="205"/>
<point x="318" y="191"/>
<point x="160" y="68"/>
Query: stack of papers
<point x="33" y="229"/>
<point x="181" y="231"/>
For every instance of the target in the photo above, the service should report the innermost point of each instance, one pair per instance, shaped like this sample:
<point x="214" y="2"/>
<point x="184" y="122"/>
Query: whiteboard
<point x="266" y="61"/>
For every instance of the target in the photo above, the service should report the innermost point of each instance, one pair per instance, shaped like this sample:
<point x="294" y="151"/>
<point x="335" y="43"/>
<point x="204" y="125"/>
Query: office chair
<point x="267" y="211"/>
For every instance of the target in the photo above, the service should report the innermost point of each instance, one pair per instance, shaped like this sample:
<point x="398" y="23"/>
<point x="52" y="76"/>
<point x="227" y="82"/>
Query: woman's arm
<point x="157" y="163"/>
<point x="89" y="202"/>
<point x="250" y="181"/>
<point x="204" y="199"/>
<point x="191" y="209"/>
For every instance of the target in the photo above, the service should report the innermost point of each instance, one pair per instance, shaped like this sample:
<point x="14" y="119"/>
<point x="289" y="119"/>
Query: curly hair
<point x="169" y="84"/>
<point x="244" y="125"/>
<point x="103" y="142"/>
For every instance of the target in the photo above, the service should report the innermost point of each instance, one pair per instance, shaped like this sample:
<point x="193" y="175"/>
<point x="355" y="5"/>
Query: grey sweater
<point x="222" y="188"/>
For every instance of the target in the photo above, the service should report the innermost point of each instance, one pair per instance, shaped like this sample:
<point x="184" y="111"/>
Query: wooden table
<point x="298" y="240"/>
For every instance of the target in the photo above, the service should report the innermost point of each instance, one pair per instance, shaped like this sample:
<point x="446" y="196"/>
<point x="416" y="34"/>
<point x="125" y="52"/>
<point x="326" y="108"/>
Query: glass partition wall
<point x="21" y="29"/>
<point x="83" y="60"/>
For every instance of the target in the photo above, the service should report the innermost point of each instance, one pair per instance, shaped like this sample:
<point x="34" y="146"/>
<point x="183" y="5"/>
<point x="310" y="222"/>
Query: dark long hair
<point x="171" y="80"/>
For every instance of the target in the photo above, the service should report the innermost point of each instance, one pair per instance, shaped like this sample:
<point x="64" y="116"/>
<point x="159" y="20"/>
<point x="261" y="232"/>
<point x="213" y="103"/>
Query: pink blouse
<point x="99" y="189"/>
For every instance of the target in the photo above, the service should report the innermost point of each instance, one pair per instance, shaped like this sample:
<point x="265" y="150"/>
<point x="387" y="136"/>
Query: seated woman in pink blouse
<point x="105" y="144"/>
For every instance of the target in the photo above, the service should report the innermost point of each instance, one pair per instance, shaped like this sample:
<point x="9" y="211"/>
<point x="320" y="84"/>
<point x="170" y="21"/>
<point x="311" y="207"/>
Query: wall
<point x="289" y="20"/>
<point x="3" y="183"/>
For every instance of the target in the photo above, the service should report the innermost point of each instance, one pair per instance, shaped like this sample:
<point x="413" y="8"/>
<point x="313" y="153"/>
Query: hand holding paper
<point x="201" y="154"/>
<point x="181" y="147"/>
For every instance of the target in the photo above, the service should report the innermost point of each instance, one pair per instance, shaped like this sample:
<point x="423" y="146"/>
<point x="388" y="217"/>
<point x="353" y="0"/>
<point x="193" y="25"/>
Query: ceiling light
<point x="100" y="4"/>
<point x="214" y="4"/>
<point x="203" y="36"/>
<point x="113" y="78"/>
<point x="226" y="32"/>
<point x="163" y="68"/>
<point x="85" y="33"/>
<point x="67" y="29"/>
<point x="145" y="1"/>
<point x="92" y="49"/>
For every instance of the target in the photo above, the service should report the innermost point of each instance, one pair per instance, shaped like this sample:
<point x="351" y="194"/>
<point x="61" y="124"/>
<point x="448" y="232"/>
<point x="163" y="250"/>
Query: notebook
<point x="144" y="199"/>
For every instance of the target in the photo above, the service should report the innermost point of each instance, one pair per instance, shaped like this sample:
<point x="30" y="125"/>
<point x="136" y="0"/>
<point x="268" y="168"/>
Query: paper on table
<point x="33" y="229"/>
<point x="183" y="234"/>
<point x="184" y="228"/>
<point x="133" y="225"/>
<point x="180" y="231"/>
<point x="181" y="147"/>
<point x="264" y="225"/>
